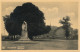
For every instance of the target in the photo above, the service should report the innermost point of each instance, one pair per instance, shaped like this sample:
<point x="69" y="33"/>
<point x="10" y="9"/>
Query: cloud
<point x="51" y="16"/>
<point x="51" y="10"/>
<point x="53" y="22"/>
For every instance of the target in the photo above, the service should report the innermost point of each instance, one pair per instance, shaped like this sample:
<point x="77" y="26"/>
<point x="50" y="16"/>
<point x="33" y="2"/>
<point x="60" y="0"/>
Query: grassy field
<point x="53" y="44"/>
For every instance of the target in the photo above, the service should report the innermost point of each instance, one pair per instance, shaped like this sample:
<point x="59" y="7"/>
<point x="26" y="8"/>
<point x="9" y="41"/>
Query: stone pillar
<point x="24" y="35"/>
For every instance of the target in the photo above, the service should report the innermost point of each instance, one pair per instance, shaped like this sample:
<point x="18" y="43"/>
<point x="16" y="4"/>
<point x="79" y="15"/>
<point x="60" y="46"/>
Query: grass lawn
<point x="53" y="44"/>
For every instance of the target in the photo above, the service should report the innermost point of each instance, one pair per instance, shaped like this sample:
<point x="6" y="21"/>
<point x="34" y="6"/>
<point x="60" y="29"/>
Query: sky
<point x="53" y="11"/>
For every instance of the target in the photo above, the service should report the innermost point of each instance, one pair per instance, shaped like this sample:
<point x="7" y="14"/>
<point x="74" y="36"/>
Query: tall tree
<point x="66" y="25"/>
<point x="31" y="14"/>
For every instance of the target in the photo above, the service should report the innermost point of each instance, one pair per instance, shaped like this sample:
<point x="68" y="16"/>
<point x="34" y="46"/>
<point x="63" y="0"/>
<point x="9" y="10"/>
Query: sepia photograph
<point x="39" y="25"/>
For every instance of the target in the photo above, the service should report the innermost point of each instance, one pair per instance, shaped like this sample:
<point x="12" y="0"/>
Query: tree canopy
<point x="32" y="15"/>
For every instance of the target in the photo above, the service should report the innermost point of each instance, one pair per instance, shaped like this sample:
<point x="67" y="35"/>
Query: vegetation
<point x="32" y="15"/>
<point x="66" y="25"/>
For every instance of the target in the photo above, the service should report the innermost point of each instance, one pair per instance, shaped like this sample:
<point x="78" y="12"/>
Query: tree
<point x="5" y="18"/>
<point x="31" y="14"/>
<point x="66" y="25"/>
<point x="12" y="27"/>
<point x="75" y="34"/>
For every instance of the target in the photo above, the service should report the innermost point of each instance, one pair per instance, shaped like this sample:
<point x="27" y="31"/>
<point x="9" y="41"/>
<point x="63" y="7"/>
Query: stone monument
<point x="24" y="35"/>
